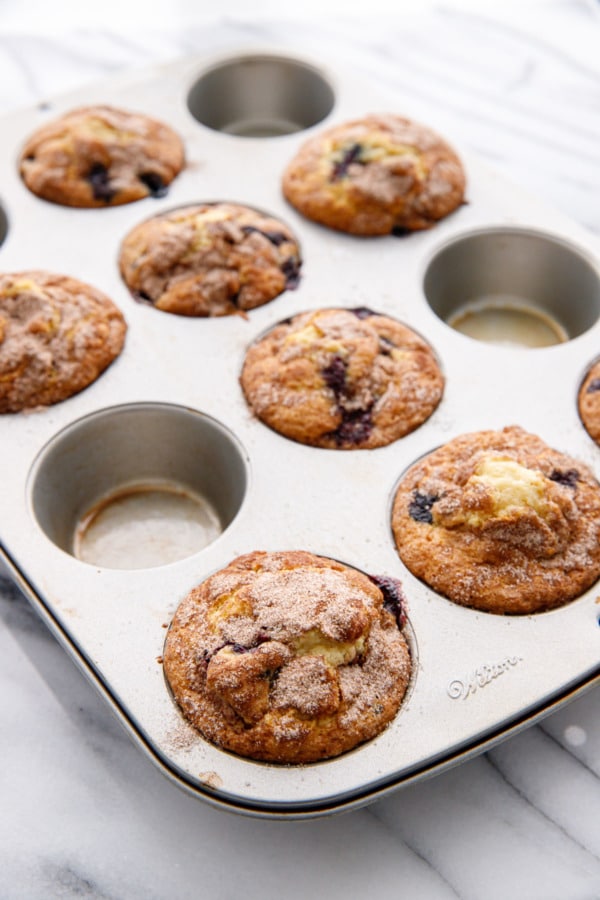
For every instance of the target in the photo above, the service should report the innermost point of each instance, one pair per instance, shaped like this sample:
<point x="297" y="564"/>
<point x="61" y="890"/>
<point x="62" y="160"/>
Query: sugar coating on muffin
<point x="373" y="176"/>
<point x="212" y="259"/>
<point x="342" y="379"/>
<point x="57" y="335"/>
<point x="97" y="156"/>
<point x="588" y="402"/>
<point x="289" y="657"/>
<point x="499" y="521"/>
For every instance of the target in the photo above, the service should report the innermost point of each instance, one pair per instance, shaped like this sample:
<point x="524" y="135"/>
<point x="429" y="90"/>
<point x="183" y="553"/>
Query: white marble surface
<point x="84" y="814"/>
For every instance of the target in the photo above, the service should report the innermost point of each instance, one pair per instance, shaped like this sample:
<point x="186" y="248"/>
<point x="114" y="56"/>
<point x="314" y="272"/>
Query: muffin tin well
<point x="170" y="410"/>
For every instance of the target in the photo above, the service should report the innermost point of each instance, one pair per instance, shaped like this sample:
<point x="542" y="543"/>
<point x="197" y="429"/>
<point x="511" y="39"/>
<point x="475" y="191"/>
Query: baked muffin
<point x="57" y="335"/>
<point x="101" y="156"/>
<point x="342" y="379"/>
<point x="378" y="175"/>
<point x="289" y="657"/>
<point x="212" y="259"/>
<point x="588" y="402"/>
<point x="499" y="521"/>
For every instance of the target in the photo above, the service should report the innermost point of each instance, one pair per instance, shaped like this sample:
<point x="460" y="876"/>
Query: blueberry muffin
<point x="588" y="402"/>
<point x="378" y="175"/>
<point x="57" y="335"/>
<point x="212" y="259"/>
<point x="289" y="657"/>
<point x="342" y="379"/>
<point x="101" y="156"/>
<point x="499" y="521"/>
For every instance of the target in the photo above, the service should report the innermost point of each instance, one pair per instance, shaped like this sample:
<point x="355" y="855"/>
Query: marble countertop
<point x="85" y="814"/>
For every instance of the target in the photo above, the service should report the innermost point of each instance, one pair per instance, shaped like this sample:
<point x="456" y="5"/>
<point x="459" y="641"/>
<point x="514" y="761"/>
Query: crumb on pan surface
<point x="57" y="335"/>
<point x="499" y="521"/>
<point x="342" y="379"/>
<point x="373" y="176"/>
<point x="289" y="657"/>
<point x="210" y="259"/>
<point x="96" y="156"/>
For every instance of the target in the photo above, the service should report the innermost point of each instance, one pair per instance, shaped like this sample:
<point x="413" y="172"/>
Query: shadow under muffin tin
<point x="169" y="413"/>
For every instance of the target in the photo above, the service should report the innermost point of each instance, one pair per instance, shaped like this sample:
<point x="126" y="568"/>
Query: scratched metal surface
<point x="476" y="675"/>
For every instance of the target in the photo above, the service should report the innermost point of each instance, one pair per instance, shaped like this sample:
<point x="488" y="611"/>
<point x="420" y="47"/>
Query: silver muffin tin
<point x="171" y="408"/>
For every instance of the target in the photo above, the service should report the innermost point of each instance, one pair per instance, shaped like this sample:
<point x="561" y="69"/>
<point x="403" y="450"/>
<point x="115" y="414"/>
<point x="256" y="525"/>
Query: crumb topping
<point x="56" y="336"/>
<point x="313" y="665"/>
<point x="500" y="521"/>
<point x="336" y="379"/>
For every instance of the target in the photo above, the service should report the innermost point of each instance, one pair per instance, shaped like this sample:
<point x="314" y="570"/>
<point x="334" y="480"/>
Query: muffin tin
<point x="170" y="410"/>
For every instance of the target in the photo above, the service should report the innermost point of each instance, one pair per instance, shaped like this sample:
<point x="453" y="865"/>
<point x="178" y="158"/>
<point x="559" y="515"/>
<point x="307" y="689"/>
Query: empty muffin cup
<point x="260" y="96"/>
<point x="514" y="286"/>
<point x="138" y="486"/>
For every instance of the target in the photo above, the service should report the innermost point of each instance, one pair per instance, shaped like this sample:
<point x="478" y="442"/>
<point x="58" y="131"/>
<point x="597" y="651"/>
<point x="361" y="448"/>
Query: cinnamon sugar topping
<point x="301" y="661"/>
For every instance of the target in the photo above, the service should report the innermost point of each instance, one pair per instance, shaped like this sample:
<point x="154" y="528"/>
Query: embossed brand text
<point x="461" y="689"/>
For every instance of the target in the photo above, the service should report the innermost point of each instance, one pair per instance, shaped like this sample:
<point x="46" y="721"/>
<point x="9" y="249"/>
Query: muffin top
<point x="57" y="334"/>
<point x="499" y="521"/>
<point x="212" y="259"/>
<point x="342" y="379"/>
<point x="97" y="156"/>
<point x="588" y="401"/>
<point x="378" y="175"/>
<point x="289" y="657"/>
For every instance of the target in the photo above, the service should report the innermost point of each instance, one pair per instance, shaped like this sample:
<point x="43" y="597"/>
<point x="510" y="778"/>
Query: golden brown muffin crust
<point x="212" y="259"/>
<point x="57" y="335"/>
<point x="98" y="156"/>
<point x="342" y="379"/>
<point x="588" y="402"/>
<point x="375" y="176"/>
<point x="288" y="657"/>
<point x="499" y="521"/>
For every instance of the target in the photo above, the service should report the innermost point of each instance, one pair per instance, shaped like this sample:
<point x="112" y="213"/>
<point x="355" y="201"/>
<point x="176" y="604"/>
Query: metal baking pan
<point x="171" y="408"/>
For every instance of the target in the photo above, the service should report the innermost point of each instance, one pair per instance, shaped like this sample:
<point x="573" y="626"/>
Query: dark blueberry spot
<point x="593" y="386"/>
<point x="100" y="182"/>
<point x="334" y="375"/>
<point x="568" y="478"/>
<point x="400" y="231"/>
<point x="239" y="648"/>
<point x="154" y="183"/>
<point x="386" y="346"/>
<point x="250" y="229"/>
<point x="204" y="658"/>
<point x="362" y="312"/>
<point x="261" y="638"/>
<point x="351" y="155"/>
<point x="393" y="598"/>
<point x="143" y="297"/>
<point x="291" y="270"/>
<point x="275" y="237"/>
<point x="356" y="427"/>
<point x="419" y="507"/>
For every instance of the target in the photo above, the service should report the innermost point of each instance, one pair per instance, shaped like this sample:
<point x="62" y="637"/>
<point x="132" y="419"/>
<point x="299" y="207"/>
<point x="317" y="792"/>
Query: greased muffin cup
<point x="170" y="417"/>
